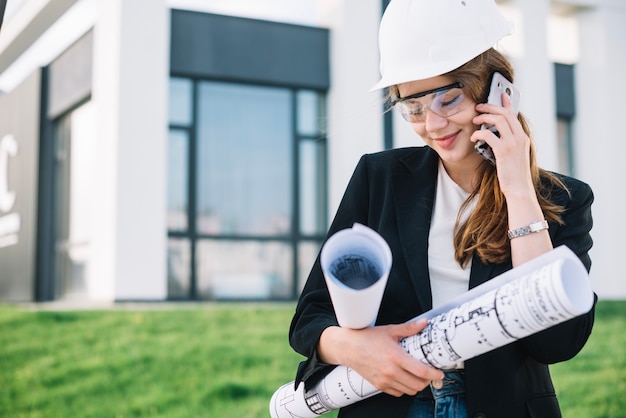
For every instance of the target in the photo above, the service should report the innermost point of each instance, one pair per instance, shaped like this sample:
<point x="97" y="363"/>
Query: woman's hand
<point x="511" y="148"/>
<point x="375" y="353"/>
<point x="512" y="151"/>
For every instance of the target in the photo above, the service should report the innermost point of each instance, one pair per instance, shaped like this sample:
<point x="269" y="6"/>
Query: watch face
<point x="519" y="232"/>
<point x="525" y="230"/>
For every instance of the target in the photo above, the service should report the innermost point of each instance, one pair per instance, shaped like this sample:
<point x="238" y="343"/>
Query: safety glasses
<point x="444" y="101"/>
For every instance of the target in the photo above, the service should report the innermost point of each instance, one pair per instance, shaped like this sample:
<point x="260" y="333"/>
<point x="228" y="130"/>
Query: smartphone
<point x="499" y="85"/>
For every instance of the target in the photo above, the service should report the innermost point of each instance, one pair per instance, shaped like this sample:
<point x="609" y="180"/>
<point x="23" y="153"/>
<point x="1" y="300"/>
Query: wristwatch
<point x="525" y="230"/>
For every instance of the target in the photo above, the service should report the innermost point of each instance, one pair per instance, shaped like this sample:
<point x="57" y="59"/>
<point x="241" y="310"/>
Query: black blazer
<point x="393" y="192"/>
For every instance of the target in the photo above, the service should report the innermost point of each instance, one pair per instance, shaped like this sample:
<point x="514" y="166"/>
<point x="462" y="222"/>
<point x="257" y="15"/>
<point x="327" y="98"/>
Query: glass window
<point x="244" y="184"/>
<point x="244" y="269"/>
<point x="310" y="113"/>
<point x="177" y="180"/>
<point x="307" y="253"/>
<point x="180" y="101"/>
<point x="312" y="171"/>
<point x="75" y="154"/>
<point x="231" y="208"/>
<point x="178" y="268"/>
<point x="565" y="148"/>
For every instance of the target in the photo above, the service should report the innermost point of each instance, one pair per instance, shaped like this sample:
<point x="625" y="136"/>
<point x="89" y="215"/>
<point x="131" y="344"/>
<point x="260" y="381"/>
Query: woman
<point x="453" y="220"/>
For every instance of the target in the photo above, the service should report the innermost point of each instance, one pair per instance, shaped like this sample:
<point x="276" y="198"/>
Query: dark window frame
<point x="295" y="237"/>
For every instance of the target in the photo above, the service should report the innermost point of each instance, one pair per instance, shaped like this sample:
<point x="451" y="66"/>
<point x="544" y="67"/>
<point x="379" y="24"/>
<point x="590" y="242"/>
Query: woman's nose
<point x="434" y="122"/>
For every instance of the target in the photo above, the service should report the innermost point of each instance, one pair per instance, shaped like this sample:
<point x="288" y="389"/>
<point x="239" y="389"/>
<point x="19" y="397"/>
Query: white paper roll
<point x="356" y="264"/>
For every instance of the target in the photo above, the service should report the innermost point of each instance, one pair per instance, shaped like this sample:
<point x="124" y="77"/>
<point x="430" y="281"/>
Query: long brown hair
<point x="485" y="231"/>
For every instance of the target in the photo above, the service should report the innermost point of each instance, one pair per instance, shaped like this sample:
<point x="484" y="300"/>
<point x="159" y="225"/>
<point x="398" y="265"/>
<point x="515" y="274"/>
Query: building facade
<point x="197" y="150"/>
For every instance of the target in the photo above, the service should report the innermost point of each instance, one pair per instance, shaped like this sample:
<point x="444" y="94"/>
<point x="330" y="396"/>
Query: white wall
<point x="142" y="168"/>
<point x="131" y="44"/>
<point x="355" y="114"/>
<point x="600" y="140"/>
<point x="535" y="77"/>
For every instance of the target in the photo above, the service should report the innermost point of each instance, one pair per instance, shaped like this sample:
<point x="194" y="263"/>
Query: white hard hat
<point x="419" y="39"/>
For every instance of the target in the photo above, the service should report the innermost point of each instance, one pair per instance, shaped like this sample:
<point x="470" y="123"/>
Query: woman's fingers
<point x="377" y="356"/>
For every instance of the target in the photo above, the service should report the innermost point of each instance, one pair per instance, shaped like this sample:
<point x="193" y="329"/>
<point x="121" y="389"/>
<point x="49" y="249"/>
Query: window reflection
<point x="177" y="170"/>
<point x="232" y="233"/>
<point x="309" y="113"/>
<point x="75" y="146"/>
<point x="564" y="144"/>
<point x="312" y="187"/>
<point x="244" y="269"/>
<point x="244" y="160"/>
<point x="307" y="253"/>
<point x="178" y="268"/>
<point x="180" y="101"/>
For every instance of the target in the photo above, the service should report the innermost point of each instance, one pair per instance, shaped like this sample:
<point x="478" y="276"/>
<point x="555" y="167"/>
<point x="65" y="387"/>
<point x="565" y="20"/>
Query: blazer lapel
<point x="414" y="194"/>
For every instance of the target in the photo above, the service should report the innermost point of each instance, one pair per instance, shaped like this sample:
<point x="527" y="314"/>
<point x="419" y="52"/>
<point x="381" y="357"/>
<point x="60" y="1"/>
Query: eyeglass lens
<point x="443" y="103"/>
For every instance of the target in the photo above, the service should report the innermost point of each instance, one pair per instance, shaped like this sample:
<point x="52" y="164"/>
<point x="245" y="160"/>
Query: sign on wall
<point x="9" y="220"/>
<point x="19" y="160"/>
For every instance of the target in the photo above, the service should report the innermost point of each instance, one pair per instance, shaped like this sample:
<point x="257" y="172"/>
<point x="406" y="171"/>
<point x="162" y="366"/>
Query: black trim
<point x="387" y="116"/>
<point x="192" y="175"/>
<point x="44" y="270"/>
<point x="3" y="5"/>
<point x="295" y="188"/>
<point x="243" y="50"/>
<point x="565" y="91"/>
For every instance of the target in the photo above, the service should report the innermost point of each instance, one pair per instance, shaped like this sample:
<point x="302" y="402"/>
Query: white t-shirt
<point x="447" y="278"/>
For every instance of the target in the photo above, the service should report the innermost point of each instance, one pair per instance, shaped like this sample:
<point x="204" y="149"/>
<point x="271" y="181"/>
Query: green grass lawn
<point x="593" y="384"/>
<point x="216" y="360"/>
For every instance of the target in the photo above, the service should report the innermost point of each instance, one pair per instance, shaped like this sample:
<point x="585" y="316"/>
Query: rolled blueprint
<point x="544" y="292"/>
<point x="356" y="264"/>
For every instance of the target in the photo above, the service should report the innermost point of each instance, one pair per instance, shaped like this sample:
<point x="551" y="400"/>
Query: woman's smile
<point x="447" y="141"/>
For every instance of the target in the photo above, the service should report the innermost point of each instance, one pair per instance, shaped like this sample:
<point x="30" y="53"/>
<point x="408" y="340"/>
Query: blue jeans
<point x="445" y="400"/>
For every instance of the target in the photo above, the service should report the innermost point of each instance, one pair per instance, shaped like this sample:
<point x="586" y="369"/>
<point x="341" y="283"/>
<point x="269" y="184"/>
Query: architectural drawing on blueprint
<point x="546" y="291"/>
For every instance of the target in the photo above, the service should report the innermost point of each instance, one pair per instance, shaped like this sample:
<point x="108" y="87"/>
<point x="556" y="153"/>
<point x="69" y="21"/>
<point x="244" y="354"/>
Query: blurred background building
<point x="197" y="150"/>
